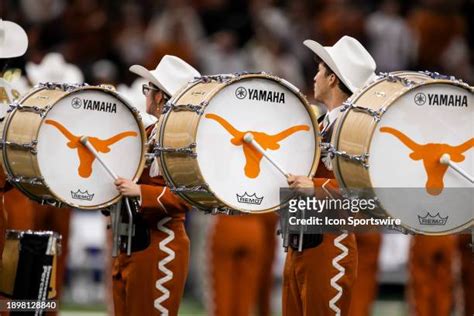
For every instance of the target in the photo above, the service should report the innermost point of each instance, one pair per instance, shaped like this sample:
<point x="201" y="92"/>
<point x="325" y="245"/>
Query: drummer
<point x="13" y="43"/>
<point x="343" y="69"/>
<point x="151" y="281"/>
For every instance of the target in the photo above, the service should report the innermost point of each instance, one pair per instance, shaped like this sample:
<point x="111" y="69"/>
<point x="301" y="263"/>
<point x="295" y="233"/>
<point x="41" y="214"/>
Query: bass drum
<point x="203" y="155"/>
<point x="44" y="158"/>
<point x="390" y="139"/>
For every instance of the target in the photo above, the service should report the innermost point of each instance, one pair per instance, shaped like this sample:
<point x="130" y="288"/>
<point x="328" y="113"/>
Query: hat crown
<point x="349" y="60"/>
<point x="53" y="67"/>
<point x="13" y="39"/>
<point x="170" y="75"/>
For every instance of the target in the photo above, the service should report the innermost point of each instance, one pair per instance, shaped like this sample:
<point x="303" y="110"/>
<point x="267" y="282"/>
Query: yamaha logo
<point x="241" y="93"/>
<point x="420" y="98"/>
<point x="76" y="103"/>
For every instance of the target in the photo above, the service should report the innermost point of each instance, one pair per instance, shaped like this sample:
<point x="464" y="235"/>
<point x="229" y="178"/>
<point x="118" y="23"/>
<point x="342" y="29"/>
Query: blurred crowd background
<point x="105" y="37"/>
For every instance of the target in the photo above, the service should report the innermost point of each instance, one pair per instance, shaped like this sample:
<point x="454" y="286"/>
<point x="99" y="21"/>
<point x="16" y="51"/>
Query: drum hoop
<point x="66" y="94"/>
<point x="5" y="161"/>
<point x="209" y="97"/>
<point x="336" y="135"/>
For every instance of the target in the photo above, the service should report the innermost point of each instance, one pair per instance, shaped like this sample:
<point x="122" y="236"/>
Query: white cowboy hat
<point x="171" y="74"/>
<point x="348" y="59"/>
<point x="13" y="40"/>
<point x="53" y="68"/>
<point x="134" y="96"/>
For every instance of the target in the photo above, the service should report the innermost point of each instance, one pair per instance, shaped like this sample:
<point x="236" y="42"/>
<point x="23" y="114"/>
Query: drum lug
<point x="27" y="108"/>
<point x="31" y="146"/>
<point x="61" y="86"/>
<point x="362" y="159"/>
<point x="189" y="150"/>
<point x="32" y="181"/>
<point x="185" y="189"/>
<point x="377" y="115"/>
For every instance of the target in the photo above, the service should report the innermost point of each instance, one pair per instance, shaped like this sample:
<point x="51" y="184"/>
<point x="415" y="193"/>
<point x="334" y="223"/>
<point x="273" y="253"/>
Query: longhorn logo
<point x="252" y="156"/>
<point x="430" y="154"/>
<point x="86" y="158"/>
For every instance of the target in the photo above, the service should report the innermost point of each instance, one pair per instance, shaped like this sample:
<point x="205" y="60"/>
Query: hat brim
<point x="146" y="74"/>
<point x="323" y="53"/>
<point x="38" y="73"/>
<point x="15" y="40"/>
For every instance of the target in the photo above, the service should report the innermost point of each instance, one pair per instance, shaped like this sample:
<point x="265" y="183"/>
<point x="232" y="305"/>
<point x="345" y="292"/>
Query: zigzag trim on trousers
<point x="342" y="271"/>
<point x="163" y="245"/>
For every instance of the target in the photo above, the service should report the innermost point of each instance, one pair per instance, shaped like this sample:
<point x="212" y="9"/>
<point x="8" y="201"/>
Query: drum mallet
<point x="248" y="138"/>
<point x="446" y="160"/>
<point x="85" y="141"/>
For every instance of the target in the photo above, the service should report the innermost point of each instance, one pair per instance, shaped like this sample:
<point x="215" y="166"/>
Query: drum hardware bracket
<point x="185" y="189"/>
<point x="224" y="210"/>
<point x="377" y="115"/>
<point x="20" y="179"/>
<point x="149" y="157"/>
<point x="54" y="203"/>
<point x="188" y="150"/>
<point x="62" y="86"/>
<point x="27" y="108"/>
<point x="393" y="78"/>
<point x="30" y="146"/>
<point x="357" y="158"/>
<point x="399" y="229"/>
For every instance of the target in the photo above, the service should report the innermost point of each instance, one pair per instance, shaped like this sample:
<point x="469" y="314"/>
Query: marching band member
<point x="26" y="214"/>
<point x="151" y="281"/>
<point x="319" y="279"/>
<point x="241" y="252"/>
<point x="13" y="43"/>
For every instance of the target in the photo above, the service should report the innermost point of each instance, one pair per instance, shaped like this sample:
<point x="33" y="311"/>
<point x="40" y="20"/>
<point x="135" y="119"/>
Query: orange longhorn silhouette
<point x="86" y="158"/>
<point x="252" y="156"/>
<point x="430" y="154"/>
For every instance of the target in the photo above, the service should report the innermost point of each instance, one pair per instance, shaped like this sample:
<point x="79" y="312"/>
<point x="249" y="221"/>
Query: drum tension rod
<point x="185" y="189"/>
<point x="362" y="159"/>
<point x="377" y="115"/>
<point x="184" y="107"/>
<point x="62" y="86"/>
<point x="32" y="181"/>
<point x="30" y="146"/>
<point x="393" y="78"/>
<point x="28" y="108"/>
<point x="188" y="150"/>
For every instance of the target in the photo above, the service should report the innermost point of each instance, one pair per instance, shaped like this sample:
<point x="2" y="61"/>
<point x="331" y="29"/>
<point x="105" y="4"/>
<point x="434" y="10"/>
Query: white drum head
<point x="279" y="122"/>
<point x="69" y="169"/>
<point x="407" y="144"/>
